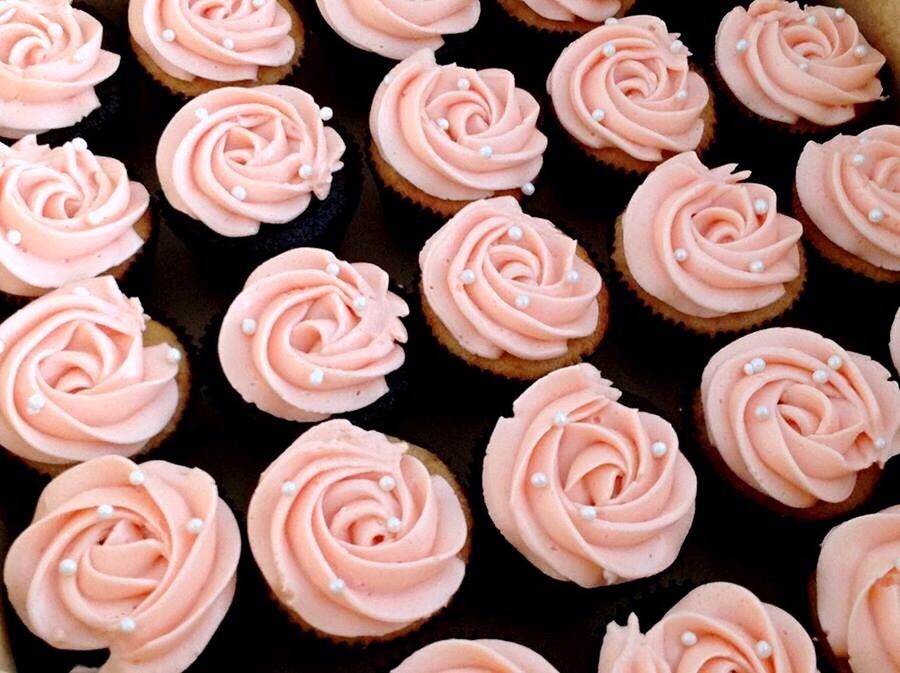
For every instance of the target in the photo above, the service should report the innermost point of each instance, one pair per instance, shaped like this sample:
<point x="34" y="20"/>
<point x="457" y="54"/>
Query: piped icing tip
<point x="475" y="656"/>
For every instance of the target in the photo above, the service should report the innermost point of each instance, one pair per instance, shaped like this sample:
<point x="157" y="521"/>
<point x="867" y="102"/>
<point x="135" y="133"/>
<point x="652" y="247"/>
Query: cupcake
<point x="311" y="336"/>
<point x="66" y="214"/>
<point x="475" y="656"/>
<point x="716" y="627"/>
<point x="564" y="17"/>
<point x="85" y="373"/>
<point x="707" y="251"/>
<point x="847" y="195"/>
<point x="191" y="48"/>
<point x="797" y="423"/>
<point x="577" y="512"/>
<point x="137" y="559"/>
<point x="444" y="135"/>
<point x="626" y="96"/>
<point x="798" y="70"/>
<point x="52" y="68"/>
<point x="359" y="536"/>
<point x="509" y="293"/>
<point x="855" y="594"/>
<point x="254" y="172"/>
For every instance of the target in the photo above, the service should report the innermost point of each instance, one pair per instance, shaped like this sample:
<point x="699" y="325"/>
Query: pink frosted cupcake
<point x="475" y="656"/>
<point x="847" y="195"/>
<point x="359" y="536"/>
<point x="578" y="513"/>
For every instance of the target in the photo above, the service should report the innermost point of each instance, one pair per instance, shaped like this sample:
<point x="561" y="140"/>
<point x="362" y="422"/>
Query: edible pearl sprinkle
<point x="127" y="625"/>
<point x="560" y="419"/>
<point x="316" y="377"/>
<point x="337" y="586"/>
<point x="55" y="29"/>
<point x="168" y="35"/>
<point x="588" y="513"/>
<point x="840" y="13"/>
<point x="757" y="266"/>
<point x="880" y="442"/>
<point x="820" y="376"/>
<point x="288" y="488"/>
<point x="393" y="525"/>
<point x="835" y="361"/>
<point x="680" y="254"/>
<point x="748" y="369"/>
<point x="539" y="480"/>
<point x="68" y="567"/>
<point x="760" y="206"/>
<point x="81" y="292"/>
<point x="758" y="365"/>
<point x="332" y="269"/>
<point x="763" y="649"/>
<point x="676" y="46"/>
<point x="36" y="403"/>
<point x="442" y="123"/>
<point x="811" y="20"/>
<point x="876" y="215"/>
<point x="857" y="159"/>
<point x="136" y="478"/>
<point x="515" y="233"/>
<point x="14" y="236"/>
<point x="609" y="50"/>
<point x="598" y="115"/>
<point x="528" y="188"/>
<point x="742" y="46"/>
<point x="326" y="114"/>
<point x="195" y="526"/>
<point x="305" y="171"/>
<point x="173" y="356"/>
<point x="239" y="192"/>
<point x="248" y="326"/>
<point x="803" y="65"/>
<point x="487" y="151"/>
<point x="467" y="276"/>
<point x="201" y="113"/>
<point x="79" y="144"/>
<point x="859" y="51"/>
<point x="387" y="483"/>
<point x="611" y="21"/>
<point x="681" y="94"/>
<point x="572" y="276"/>
<point x="360" y="303"/>
<point x="688" y="638"/>
<point x="105" y="511"/>
<point x="228" y="43"/>
<point x="658" y="449"/>
<point x="463" y="84"/>
<point x="387" y="78"/>
<point x="761" y="412"/>
<point x="523" y="301"/>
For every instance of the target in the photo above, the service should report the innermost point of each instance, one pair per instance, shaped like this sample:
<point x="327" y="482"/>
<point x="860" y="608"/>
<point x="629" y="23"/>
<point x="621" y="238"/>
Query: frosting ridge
<point x="475" y="656"/>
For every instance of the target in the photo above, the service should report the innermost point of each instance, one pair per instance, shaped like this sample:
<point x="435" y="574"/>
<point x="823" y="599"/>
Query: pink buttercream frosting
<point x="456" y="133"/>
<point x="716" y="627"/>
<point x="705" y="242"/>
<point x="786" y="63"/>
<point x="894" y="343"/>
<point x="489" y="256"/>
<point x="399" y="28"/>
<point x="65" y="214"/>
<point x="850" y="189"/>
<point x="575" y="10"/>
<point x="76" y="381"/>
<point x="587" y="489"/>
<point x="624" y="86"/>
<point x="797" y="417"/>
<point x="114" y="561"/>
<point x="310" y="336"/>
<point x="236" y="157"/>
<point x="219" y="41"/>
<point x="858" y="591"/>
<point x="354" y="535"/>
<point x="50" y="62"/>
<point x="475" y="656"/>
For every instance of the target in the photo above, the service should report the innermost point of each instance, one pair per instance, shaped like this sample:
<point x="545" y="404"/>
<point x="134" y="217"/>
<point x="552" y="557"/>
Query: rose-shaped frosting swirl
<point x="850" y="189"/>
<point x="139" y="559"/>
<point x="716" y="627"/>
<point x="310" y="336"/>
<point x="475" y="656"/>
<point x="707" y="244"/>
<point x="65" y="215"/>
<point x="587" y="489"/>
<point x="50" y="62"/>
<point x="858" y="591"/>
<point x="221" y="41"/>
<point x="796" y="416"/>
<point x="236" y="157"/>
<point x="399" y="28"/>
<point x="478" y="267"/>
<point x="624" y="86"/>
<point x="76" y="381"/>
<point x="786" y="63"/>
<point x="353" y="533"/>
<point x="456" y="133"/>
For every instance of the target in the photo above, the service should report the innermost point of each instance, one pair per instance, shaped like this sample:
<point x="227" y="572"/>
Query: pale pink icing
<point x="308" y="323"/>
<point x="475" y="656"/>
<point x="332" y="525"/>
<point x="599" y="456"/>
<point x="711" y="215"/>
<point x="636" y="88"/>
<point x="858" y="591"/>
<point x="574" y="10"/>
<point x="219" y="41"/>
<point x="75" y="212"/>
<point x="816" y="436"/>
<point x="483" y="315"/>
<point x="839" y="196"/>
<point x="141" y="563"/>
<point x="79" y="351"/>
<point x="766" y="71"/>
<point x="895" y="341"/>
<point x="729" y="623"/>
<point x="48" y="73"/>
<point x="399" y="28"/>
<point x="236" y="157"/>
<point x="487" y="111"/>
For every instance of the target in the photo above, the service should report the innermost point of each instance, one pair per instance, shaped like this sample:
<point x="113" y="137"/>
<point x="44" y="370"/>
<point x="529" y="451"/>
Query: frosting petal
<point x="303" y="343"/>
<point x="738" y="251"/>
<point x="850" y="189"/>
<point x="483" y="315"/>
<point x="481" y="108"/>
<point x="74" y="211"/>
<point x="786" y="63"/>
<point x="648" y="100"/>
<point x="811" y="438"/>
<point x="236" y="157"/>
<point x="573" y="10"/>
<point x="223" y="42"/>
<point x="858" y="591"/>
<point x="81" y="578"/>
<point x="608" y="510"/>
<point x="50" y="61"/>
<point x="475" y="656"/>
<point x="325" y="548"/>
<point x="76" y="381"/>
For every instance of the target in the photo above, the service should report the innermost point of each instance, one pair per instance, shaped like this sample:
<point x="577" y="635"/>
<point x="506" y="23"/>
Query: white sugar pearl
<point x="880" y="443"/>
<point x="316" y="377"/>
<point x="136" y="478"/>
<point x="763" y="649"/>
<point x="840" y="14"/>
<point x="757" y="266"/>
<point x="387" y="483"/>
<point x="860" y="50"/>
<point x="688" y="638"/>
<point x="487" y="151"/>
<point x="81" y="292"/>
<point x="173" y="356"/>
<point x="14" y="237"/>
<point x="337" y="586"/>
<point x="742" y="46"/>
<point x="681" y="94"/>
<point x="36" y="404"/>
<point x="326" y="114"/>
<point x="288" y="488"/>
<point x="876" y="215"/>
<point x="228" y="43"/>
<point x="239" y="192"/>
<point x="332" y="269"/>
<point x="67" y="567"/>
<point x="835" y="361"/>
<point x="201" y="113"/>
<point x="760" y="206"/>
<point x="611" y="21"/>
<point x="515" y="233"/>
<point x="658" y="449"/>
<point x="676" y="46"/>
<point x="598" y="115"/>
<point x="467" y="276"/>
<point x="528" y="188"/>
<point x="748" y="369"/>
<point x="393" y="525"/>
<point x="560" y="419"/>
<point x="811" y="20"/>
<point x="803" y="65"/>
<point x="259" y="3"/>
<point x="442" y="123"/>
<point x="680" y="254"/>
<point x="305" y="171"/>
<point x="387" y="78"/>
<point x="127" y="625"/>
<point x="79" y="144"/>
<point x="539" y="480"/>
<point x="248" y="326"/>
<point x="758" y="365"/>
<point x="761" y="412"/>
<point x="359" y="303"/>
<point x="195" y="526"/>
<point x="820" y="376"/>
<point x="55" y="29"/>
<point x="105" y="511"/>
<point x="858" y="159"/>
<point x="572" y="276"/>
<point x="523" y="301"/>
<point x="168" y="35"/>
<point x="609" y="50"/>
<point x="588" y="513"/>
<point x="463" y="84"/>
